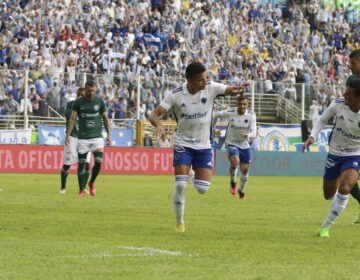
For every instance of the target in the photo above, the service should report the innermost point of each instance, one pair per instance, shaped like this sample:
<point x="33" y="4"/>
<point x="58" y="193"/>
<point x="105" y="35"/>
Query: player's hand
<point x="307" y="143"/>
<point x="159" y="131"/>
<point x="245" y="85"/>
<point x="244" y="134"/>
<point x="67" y="140"/>
<point x="241" y="88"/>
<point x="108" y="141"/>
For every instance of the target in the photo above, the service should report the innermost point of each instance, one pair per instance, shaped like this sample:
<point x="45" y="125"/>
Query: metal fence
<point x="285" y="102"/>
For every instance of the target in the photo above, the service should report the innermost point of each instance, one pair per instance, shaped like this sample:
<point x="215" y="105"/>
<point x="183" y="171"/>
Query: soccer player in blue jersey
<point x="192" y="104"/>
<point x="241" y="128"/>
<point x="343" y="160"/>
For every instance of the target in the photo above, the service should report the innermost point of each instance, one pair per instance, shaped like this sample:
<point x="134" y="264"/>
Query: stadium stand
<point x="139" y="49"/>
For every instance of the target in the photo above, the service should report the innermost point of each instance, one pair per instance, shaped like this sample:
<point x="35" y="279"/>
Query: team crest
<point x="275" y="141"/>
<point x="203" y="100"/>
<point x="96" y="107"/>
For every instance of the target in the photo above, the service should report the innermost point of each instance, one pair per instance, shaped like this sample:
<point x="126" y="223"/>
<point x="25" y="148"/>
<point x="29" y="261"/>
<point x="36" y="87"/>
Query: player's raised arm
<point x="154" y="119"/>
<point x="234" y="90"/>
<point x="319" y="125"/>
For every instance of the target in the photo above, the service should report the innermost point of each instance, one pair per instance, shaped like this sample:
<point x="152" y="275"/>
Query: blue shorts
<point x="334" y="165"/>
<point x="242" y="154"/>
<point x="197" y="158"/>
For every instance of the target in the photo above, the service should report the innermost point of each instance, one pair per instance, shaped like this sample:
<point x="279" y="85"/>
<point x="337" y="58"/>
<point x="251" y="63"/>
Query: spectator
<point x="25" y="105"/>
<point x="147" y="141"/>
<point x="314" y="110"/>
<point x="163" y="141"/>
<point x="54" y="99"/>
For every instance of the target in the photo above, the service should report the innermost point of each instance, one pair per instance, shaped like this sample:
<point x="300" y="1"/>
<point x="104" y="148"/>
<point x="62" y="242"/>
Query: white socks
<point x="179" y="197"/>
<point x="233" y="173"/>
<point x="338" y="205"/>
<point x="243" y="181"/>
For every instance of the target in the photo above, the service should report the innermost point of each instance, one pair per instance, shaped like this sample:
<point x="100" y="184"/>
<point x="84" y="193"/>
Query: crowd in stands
<point x="117" y="41"/>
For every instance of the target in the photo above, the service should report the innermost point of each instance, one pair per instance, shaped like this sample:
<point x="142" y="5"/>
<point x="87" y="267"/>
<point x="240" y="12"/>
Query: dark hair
<point x="355" y="53"/>
<point x="90" y="83"/>
<point x="242" y="97"/>
<point x="355" y="84"/>
<point x="194" y="69"/>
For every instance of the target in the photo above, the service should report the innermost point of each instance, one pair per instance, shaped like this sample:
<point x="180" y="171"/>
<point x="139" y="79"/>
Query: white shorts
<point x="89" y="145"/>
<point x="71" y="152"/>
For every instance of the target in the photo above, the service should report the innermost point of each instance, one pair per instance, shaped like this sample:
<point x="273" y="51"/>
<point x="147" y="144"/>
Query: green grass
<point x="127" y="231"/>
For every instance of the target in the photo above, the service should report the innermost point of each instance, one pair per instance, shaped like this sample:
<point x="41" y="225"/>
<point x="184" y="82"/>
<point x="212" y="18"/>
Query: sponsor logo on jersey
<point x="347" y="134"/>
<point x="85" y="115"/>
<point x="194" y="116"/>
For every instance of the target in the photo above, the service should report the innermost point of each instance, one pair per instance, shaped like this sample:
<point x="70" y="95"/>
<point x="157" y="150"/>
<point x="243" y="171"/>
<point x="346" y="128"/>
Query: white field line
<point x="148" y="251"/>
<point x="129" y="251"/>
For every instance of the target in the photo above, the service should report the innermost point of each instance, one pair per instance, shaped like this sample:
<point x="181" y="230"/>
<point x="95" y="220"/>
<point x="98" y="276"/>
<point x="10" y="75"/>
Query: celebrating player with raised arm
<point x="192" y="104"/>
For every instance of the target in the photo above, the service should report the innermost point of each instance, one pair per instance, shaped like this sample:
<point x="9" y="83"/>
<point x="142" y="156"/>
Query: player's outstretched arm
<point x="234" y="90"/>
<point x="154" y="119"/>
<point x="307" y="143"/>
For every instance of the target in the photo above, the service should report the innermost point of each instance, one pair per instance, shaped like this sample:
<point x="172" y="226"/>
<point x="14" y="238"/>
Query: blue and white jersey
<point x="193" y="113"/>
<point x="345" y="136"/>
<point x="237" y="123"/>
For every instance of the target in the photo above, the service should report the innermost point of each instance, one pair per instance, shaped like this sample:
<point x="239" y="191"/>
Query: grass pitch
<point x="127" y="231"/>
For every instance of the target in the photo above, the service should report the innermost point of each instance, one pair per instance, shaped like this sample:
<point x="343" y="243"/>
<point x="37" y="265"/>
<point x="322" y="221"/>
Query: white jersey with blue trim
<point x="193" y="113"/>
<point x="345" y="136"/>
<point x="237" y="123"/>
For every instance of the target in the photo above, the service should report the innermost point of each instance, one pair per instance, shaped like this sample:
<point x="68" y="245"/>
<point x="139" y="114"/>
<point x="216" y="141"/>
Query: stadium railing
<point x="274" y="107"/>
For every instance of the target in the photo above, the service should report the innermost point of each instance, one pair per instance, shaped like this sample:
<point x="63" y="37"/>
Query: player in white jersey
<point x="192" y="104"/>
<point x="354" y="65"/>
<point x="343" y="160"/>
<point x="241" y="127"/>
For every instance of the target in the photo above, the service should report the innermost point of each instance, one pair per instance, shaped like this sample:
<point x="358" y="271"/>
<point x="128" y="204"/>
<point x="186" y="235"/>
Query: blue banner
<point x="266" y="163"/>
<point x="51" y="135"/>
<point x="55" y="135"/>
